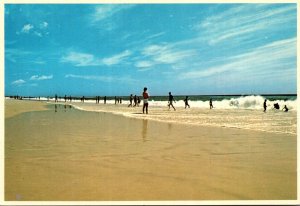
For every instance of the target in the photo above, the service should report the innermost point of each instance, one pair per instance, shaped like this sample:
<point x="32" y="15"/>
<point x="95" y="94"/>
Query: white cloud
<point x="243" y="21"/>
<point x="156" y="35"/>
<point x="26" y="28"/>
<point x="102" y="78"/>
<point x="38" y="34"/>
<point x="144" y="64"/>
<point x="15" y="54"/>
<point x="42" y="77"/>
<point x="43" y="25"/>
<point x="106" y="11"/>
<point x="18" y="82"/>
<point x="163" y="54"/>
<point x="80" y="59"/>
<point x="85" y="59"/>
<point x="116" y="59"/>
<point x="39" y="30"/>
<point x="268" y="59"/>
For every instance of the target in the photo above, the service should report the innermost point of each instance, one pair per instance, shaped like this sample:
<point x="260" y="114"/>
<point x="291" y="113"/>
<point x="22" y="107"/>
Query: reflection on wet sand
<point x="145" y="128"/>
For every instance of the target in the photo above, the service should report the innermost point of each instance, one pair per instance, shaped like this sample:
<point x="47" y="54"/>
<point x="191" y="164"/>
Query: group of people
<point x="135" y="99"/>
<point x="276" y="106"/>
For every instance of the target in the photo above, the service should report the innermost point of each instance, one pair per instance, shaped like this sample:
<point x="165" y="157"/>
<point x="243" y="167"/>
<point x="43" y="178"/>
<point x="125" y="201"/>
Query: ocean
<point x="202" y="101"/>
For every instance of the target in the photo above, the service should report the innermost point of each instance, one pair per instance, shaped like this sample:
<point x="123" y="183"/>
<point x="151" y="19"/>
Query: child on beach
<point x="145" y="97"/>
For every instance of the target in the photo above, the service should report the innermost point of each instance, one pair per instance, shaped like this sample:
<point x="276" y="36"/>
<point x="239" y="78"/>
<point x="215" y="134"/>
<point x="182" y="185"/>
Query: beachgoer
<point x="285" y="108"/>
<point x="135" y="100"/>
<point x="56" y="98"/>
<point x="138" y="101"/>
<point x="120" y="100"/>
<point x="186" y="102"/>
<point x="130" y="101"/>
<point x="171" y="99"/>
<point x="210" y="104"/>
<point x="104" y="99"/>
<point x="265" y="105"/>
<point x="65" y="98"/>
<point x="145" y="98"/>
<point x="276" y="106"/>
<point x="115" y="99"/>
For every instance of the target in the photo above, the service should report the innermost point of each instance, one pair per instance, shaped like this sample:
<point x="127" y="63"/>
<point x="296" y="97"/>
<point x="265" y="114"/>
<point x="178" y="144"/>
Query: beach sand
<point x="78" y="155"/>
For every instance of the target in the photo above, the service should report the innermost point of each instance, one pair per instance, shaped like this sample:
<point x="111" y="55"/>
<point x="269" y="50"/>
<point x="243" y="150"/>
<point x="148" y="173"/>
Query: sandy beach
<point x="72" y="155"/>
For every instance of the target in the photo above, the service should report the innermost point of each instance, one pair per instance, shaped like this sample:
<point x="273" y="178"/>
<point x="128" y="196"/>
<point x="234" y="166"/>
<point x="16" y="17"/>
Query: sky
<point x="118" y="49"/>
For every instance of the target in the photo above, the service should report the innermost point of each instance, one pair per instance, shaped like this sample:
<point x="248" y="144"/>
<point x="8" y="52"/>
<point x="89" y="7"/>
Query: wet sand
<point x="77" y="155"/>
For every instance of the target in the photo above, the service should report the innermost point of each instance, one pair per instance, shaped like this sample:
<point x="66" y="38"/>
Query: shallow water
<point x="274" y="121"/>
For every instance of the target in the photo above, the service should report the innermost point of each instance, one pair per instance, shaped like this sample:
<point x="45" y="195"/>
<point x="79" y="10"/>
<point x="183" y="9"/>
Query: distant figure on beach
<point x="56" y="98"/>
<point x="211" y="104"/>
<point x="65" y="98"/>
<point x="276" y="106"/>
<point x="171" y="99"/>
<point x="265" y="105"/>
<point x="130" y="101"/>
<point x="70" y="99"/>
<point x="145" y="98"/>
<point x="186" y="102"/>
<point x="104" y="99"/>
<point x="115" y="99"/>
<point x="120" y="100"/>
<point x="285" y="108"/>
<point x="138" y="101"/>
<point x="135" y="101"/>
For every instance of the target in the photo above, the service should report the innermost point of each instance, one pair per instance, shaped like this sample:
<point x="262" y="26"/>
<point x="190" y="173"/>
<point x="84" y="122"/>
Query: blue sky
<point x="117" y="49"/>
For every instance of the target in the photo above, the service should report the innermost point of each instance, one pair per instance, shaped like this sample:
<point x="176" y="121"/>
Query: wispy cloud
<point x="39" y="78"/>
<point x="15" y="54"/>
<point x="156" y="35"/>
<point x="44" y="25"/>
<point x="163" y="54"/>
<point x="101" y="78"/>
<point x="278" y="56"/>
<point x="103" y="12"/>
<point x="26" y="28"/>
<point x="243" y="20"/>
<point x="116" y="59"/>
<point x="18" y="82"/>
<point x="39" y="30"/>
<point x="81" y="59"/>
<point x="85" y="59"/>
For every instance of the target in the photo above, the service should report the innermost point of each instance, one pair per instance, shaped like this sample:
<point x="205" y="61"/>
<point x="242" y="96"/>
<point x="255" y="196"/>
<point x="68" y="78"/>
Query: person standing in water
<point x="186" y="102"/>
<point x="130" y="101"/>
<point x="210" y="104"/>
<point x="145" y="98"/>
<point x="285" y="108"/>
<point x="265" y="105"/>
<point x="171" y="99"/>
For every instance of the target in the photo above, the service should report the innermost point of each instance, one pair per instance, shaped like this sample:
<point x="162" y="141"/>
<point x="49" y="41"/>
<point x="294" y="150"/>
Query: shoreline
<point x="180" y="116"/>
